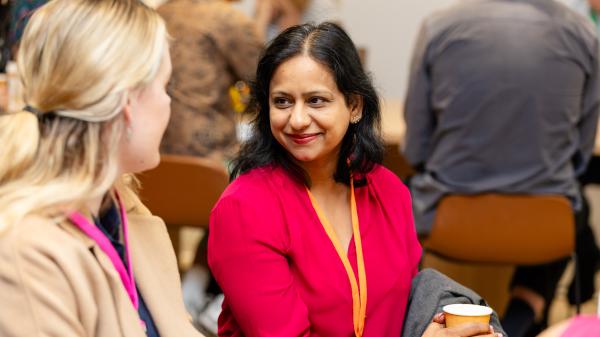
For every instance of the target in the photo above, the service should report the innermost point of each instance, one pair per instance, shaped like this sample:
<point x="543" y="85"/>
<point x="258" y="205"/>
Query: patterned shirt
<point x="214" y="46"/>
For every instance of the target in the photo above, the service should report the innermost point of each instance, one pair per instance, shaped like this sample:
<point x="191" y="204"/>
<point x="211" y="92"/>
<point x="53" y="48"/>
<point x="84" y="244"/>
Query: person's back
<point x="503" y="98"/>
<point x="214" y="46"/>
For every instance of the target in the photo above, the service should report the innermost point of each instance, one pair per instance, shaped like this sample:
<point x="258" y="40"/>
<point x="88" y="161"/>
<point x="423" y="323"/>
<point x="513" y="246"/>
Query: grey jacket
<point x="430" y="291"/>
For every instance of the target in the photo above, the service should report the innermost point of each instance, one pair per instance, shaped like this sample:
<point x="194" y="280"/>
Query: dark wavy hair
<point x="329" y="45"/>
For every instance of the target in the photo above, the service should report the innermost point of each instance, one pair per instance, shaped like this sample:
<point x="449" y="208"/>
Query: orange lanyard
<point x="359" y="298"/>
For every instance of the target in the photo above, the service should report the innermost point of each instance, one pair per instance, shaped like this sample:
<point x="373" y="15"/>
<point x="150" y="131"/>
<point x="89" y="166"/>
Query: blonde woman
<point x="80" y="255"/>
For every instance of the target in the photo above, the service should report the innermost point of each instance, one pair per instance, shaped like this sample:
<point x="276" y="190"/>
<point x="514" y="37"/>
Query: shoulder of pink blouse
<point x="258" y="191"/>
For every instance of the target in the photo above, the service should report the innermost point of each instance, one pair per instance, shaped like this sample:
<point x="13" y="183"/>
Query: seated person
<point x="314" y="237"/>
<point x="81" y="256"/>
<point x="215" y="45"/>
<point x="499" y="101"/>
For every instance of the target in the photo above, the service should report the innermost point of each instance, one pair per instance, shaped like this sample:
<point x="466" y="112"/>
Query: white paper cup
<point x="458" y="314"/>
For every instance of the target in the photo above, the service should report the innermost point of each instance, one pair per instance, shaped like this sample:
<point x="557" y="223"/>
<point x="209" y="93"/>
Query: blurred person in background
<point x="81" y="256"/>
<point x="214" y="49"/>
<point x="286" y="13"/>
<point x="503" y="97"/>
<point x="214" y="46"/>
<point x="20" y="12"/>
<point x="588" y="256"/>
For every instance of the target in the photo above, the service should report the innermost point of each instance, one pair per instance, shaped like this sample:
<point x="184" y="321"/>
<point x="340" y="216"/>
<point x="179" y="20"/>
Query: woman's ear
<point x="356" y="108"/>
<point x="128" y="116"/>
<point x="127" y="109"/>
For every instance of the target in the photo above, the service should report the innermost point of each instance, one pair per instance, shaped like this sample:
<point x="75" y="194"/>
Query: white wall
<point x="387" y="28"/>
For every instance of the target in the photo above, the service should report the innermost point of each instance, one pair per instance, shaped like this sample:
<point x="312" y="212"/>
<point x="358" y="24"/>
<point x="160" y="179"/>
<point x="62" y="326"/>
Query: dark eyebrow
<point x="306" y="94"/>
<point x="313" y="93"/>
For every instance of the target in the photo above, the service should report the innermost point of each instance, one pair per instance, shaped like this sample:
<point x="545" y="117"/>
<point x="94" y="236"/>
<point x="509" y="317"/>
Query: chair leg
<point x="577" y="283"/>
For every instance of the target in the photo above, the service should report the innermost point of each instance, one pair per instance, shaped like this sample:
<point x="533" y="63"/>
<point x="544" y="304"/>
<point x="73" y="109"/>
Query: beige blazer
<point x="55" y="281"/>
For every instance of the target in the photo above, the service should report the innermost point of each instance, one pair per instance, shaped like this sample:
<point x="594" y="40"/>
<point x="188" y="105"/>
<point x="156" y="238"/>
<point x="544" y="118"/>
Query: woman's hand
<point x="438" y="329"/>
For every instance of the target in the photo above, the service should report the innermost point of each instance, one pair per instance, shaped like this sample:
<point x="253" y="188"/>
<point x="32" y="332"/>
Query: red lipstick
<point x="303" y="138"/>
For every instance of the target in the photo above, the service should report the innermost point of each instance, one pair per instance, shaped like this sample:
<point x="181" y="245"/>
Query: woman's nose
<point x="300" y="119"/>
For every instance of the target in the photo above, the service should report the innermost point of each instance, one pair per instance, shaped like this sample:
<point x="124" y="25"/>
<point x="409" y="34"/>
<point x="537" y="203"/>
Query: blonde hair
<point x="78" y="60"/>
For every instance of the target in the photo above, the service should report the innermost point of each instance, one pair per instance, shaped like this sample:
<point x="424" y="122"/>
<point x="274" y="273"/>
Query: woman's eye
<point x="281" y="102"/>
<point x="316" y="101"/>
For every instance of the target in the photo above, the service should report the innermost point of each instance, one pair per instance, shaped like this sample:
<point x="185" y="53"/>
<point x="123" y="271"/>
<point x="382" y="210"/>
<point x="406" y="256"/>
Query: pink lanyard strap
<point x="94" y="233"/>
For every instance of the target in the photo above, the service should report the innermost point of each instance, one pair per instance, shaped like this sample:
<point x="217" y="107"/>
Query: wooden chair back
<point x="507" y="229"/>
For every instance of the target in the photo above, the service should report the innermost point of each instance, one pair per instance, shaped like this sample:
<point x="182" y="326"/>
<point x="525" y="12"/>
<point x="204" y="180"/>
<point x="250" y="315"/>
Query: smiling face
<point x="308" y="114"/>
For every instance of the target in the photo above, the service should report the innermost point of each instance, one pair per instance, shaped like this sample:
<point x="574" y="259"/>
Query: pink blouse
<point x="583" y="326"/>
<point x="280" y="273"/>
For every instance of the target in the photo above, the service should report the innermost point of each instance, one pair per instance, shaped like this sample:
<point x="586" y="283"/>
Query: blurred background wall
<point x="387" y="29"/>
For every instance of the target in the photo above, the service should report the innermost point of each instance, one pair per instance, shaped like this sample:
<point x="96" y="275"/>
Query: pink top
<point x="280" y="272"/>
<point x="583" y="326"/>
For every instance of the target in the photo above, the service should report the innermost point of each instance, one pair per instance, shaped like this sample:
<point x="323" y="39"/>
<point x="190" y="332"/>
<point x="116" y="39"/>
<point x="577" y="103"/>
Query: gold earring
<point x="355" y="119"/>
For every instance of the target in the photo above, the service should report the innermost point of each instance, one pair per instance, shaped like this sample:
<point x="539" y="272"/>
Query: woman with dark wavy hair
<point x="313" y="237"/>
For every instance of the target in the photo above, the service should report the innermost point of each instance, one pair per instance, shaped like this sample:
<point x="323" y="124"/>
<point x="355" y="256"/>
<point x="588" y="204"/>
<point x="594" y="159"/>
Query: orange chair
<point x="489" y="233"/>
<point x="497" y="228"/>
<point x="182" y="190"/>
